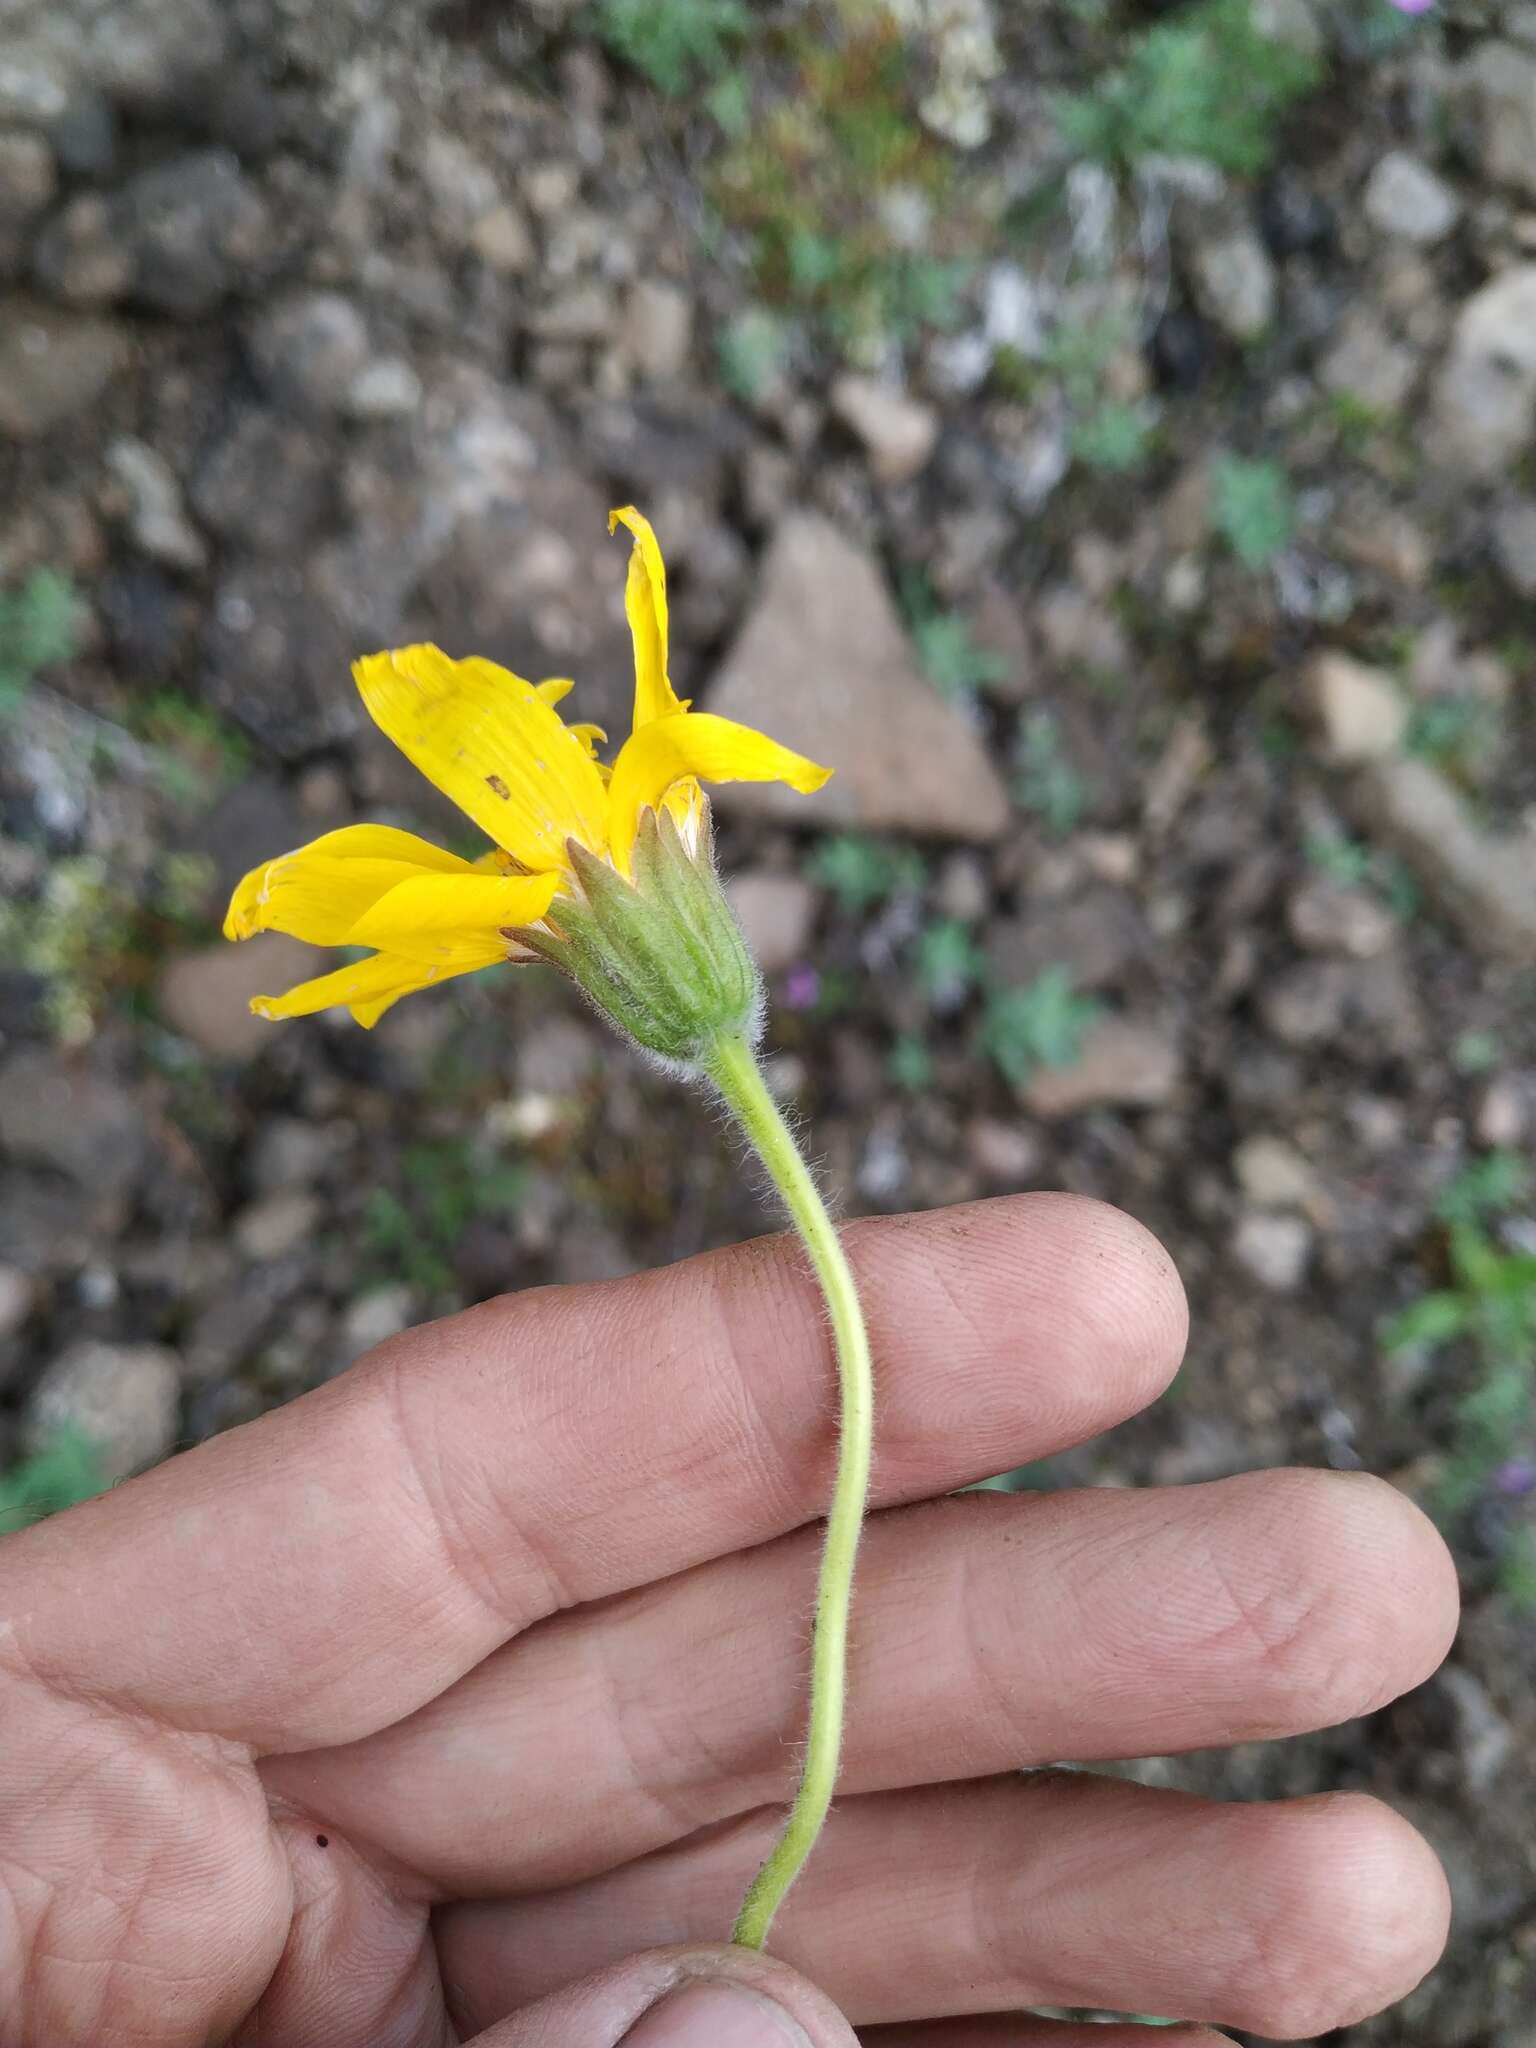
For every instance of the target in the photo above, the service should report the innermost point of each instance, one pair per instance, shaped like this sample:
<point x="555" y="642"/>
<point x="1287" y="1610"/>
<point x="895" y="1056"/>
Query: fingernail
<point x="715" y="2016"/>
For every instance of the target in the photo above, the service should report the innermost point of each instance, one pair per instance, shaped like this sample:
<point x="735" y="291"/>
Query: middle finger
<point x="990" y="1632"/>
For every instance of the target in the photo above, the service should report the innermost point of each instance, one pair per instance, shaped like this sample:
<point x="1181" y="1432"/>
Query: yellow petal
<point x="645" y="605"/>
<point x="319" y="891"/>
<point x="446" y="917"/>
<point x="368" y="987"/>
<point x="591" y="737"/>
<point x="490" y="742"/>
<point x="555" y="689"/>
<point x="662" y="754"/>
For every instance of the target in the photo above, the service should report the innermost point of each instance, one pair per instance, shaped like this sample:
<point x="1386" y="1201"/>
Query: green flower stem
<point x="733" y="1069"/>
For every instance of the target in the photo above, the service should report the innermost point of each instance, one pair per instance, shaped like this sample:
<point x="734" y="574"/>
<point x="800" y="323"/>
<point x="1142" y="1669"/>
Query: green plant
<point x="37" y="629"/>
<point x="65" y="1470"/>
<point x="1453" y="732"/>
<point x="197" y="752"/>
<point x="954" y="664"/>
<point x="673" y="43"/>
<point x="1355" y="866"/>
<point x="862" y="872"/>
<point x="1253" y="508"/>
<point x="1475" y="1052"/>
<point x="1204" y="83"/>
<point x="1042" y="1024"/>
<point x="1116" y="435"/>
<point x="910" y="1065"/>
<point x="1488" y="1306"/>
<point x="1046" y="783"/>
<point x="445" y="1185"/>
<point x="753" y="351"/>
<point x="949" y="963"/>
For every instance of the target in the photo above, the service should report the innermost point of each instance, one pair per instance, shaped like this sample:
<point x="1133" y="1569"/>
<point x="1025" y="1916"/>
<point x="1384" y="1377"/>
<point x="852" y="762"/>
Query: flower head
<point x="580" y="851"/>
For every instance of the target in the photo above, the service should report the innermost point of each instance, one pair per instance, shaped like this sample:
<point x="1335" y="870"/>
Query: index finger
<point x="316" y="1575"/>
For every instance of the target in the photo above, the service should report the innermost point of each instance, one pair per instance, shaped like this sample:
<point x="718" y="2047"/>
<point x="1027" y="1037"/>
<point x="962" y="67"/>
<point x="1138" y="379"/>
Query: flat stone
<point x="898" y="431"/>
<point x="53" y="364"/>
<point x="776" y="912"/>
<point x="1122" y="1065"/>
<point x="1404" y="197"/>
<point x="1274" y="1250"/>
<point x="658" y="330"/>
<point x="824" y="664"/>
<point x="277" y="1225"/>
<point x="309" y="350"/>
<point x="1486" y="883"/>
<point x="197" y="228"/>
<point x="1272" y="1173"/>
<point x="1484" y="400"/>
<point x="157" y="520"/>
<point x="124" y="1397"/>
<point x="207" y="995"/>
<point x="58" y="1113"/>
<point x="1496" y="95"/>
<point x="1236" y="283"/>
<point x="1360" y="712"/>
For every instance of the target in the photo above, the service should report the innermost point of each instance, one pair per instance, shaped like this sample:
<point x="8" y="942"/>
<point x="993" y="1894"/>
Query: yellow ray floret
<point x="498" y="747"/>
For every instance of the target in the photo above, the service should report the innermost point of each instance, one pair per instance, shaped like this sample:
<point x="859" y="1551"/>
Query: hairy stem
<point x="733" y="1069"/>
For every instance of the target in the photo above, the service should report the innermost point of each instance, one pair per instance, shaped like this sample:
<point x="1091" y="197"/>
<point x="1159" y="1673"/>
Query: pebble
<point x="373" y="1318"/>
<point x="1504" y="1114"/>
<point x="503" y="241"/>
<point x="1484" y="399"/>
<point x="27" y="176"/>
<point x="206" y="995"/>
<point x="1360" y="712"/>
<point x="1236" y="283"/>
<point x="79" y="259"/>
<point x="1006" y="1155"/>
<point x="1123" y="1064"/>
<point x="776" y="913"/>
<point x="825" y="660"/>
<point x="18" y="1293"/>
<point x="59" y="1113"/>
<point x="1365" y="361"/>
<point x="124" y="1397"/>
<point x="1307" y="1004"/>
<point x="385" y="389"/>
<point x="277" y="1225"/>
<point x="657" y="332"/>
<point x="1404" y="197"/>
<point x="899" y="432"/>
<point x="1484" y="1738"/>
<point x="1514" y="544"/>
<point x="1486" y="882"/>
<point x="288" y="1152"/>
<point x="1325" y="916"/>
<point x="309" y="350"/>
<point x="1274" y="1249"/>
<point x="1272" y="1173"/>
<point x="263" y="482"/>
<point x="54" y="364"/>
<point x="197" y="230"/>
<point x="157" y="520"/>
<point x="1495" y="99"/>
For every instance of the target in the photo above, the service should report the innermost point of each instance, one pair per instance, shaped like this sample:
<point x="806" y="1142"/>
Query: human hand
<point x="432" y="1706"/>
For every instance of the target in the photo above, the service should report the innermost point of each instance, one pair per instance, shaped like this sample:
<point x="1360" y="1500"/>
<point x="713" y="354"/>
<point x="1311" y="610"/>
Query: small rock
<point x="899" y="431"/>
<point x="1122" y="1065"/>
<point x="1272" y="1174"/>
<point x="657" y="335"/>
<point x="1308" y="1004"/>
<point x="197" y="230"/>
<point x="824" y="659"/>
<point x="503" y="241"/>
<point x="207" y="995"/>
<point x="18" y="1293"/>
<point x="1484" y="399"/>
<point x="1486" y="882"/>
<point x="27" y="177"/>
<point x="53" y="364"/>
<point x="157" y="520"/>
<point x="263" y="483"/>
<point x="150" y="54"/>
<point x="1514" y="544"/>
<point x="1097" y="936"/>
<point x="1360" y="711"/>
<point x="1004" y="1154"/>
<point x="33" y="88"/>
<point x="1327" y="917"/>
<point x="1496" y="102"/>
<point x="309" y="350"/>
<point x="277" y="1225"/>
<point x="123" y="1397"/>
<point x="551" y="187"/>
<point x="385" y="389"/>
<point x="1484" y="1738"/>
<point x="78" y="256"/>
<point x="776" y="913"/>
<point x="1504" y="1114"/>
<point x="1274" y="1249"/>
<point x="461" y="186"/>
<point x="374" y="1318"/>
<point x="584" y="312"/>
<point x="963" y="889"/>
<point x="1235" y="283"/>
<point x="289" y="1153"/>
<point x="1368" y="364"/>
<point x="58" y="1114"/>
<point x="1403" y="197"/>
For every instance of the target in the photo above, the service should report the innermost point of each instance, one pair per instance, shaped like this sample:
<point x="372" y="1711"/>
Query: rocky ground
<point x="1129" y="486"/>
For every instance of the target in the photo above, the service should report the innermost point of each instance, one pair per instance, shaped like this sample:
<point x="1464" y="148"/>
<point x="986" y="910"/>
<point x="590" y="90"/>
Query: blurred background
<point x="1106" y="430"/>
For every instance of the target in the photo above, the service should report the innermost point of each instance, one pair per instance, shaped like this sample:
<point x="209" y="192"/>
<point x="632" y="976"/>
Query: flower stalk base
<point x="732" y="1068"/>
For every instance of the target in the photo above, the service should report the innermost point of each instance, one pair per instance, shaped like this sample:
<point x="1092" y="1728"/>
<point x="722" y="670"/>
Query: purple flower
<point x="802" y="987"/>
<point x="1516" y="1477"/>
<point x="1413" y="6"/>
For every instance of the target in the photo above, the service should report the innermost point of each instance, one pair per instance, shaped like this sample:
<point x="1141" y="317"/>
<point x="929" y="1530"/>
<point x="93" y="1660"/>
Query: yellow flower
<point x="534" y="785"/>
